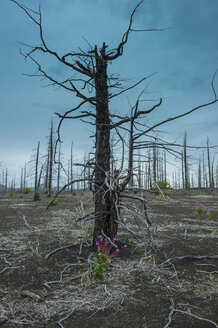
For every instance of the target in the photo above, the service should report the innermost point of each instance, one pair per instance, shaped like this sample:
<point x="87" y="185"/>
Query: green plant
<point x="203" y="212"/>
<point x="100" y="265"/>
<point x="36" y="197"/>
<point x="53" y="202"/>
<point x="90" y="231"/>
<point x="26" y="190"/>
<point x="135" y="191"/>
<point x="208" y="215"/>
<point x="105" y="252"/>
<point x="159" y="197"/>
<point x="163" y="184"/>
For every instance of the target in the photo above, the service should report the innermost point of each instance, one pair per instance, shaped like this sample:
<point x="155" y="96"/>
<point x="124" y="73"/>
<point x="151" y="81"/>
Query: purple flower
<point x="200" y="206"/>
<point x="97" y="243"/>
<point x="100" y="237"/>
<point x="117" y="250"/>
<point x="209" y="210"/>
<point x="115" y="238"/>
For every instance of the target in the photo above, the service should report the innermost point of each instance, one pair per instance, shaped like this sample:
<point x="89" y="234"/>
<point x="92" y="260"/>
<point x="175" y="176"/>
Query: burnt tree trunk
<point x="36" y="172"/>
<point x="105" y="213"/>
<point x="186" y="173"/>
<point x="51" y="161"/>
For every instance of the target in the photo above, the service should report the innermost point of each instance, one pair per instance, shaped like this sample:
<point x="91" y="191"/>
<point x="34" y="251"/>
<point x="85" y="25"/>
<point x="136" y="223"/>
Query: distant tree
<point x="186" y="171"/>
<point x="51" y="161"/>
<point x="199" y="174"/>
<point x="6" y="180"/>
<point x="36" y="172"/>
<point x="94" y="87"/>
<point x="59" y="168"/>
<point x="210" y="170"/>
<point x="71" y="167"/>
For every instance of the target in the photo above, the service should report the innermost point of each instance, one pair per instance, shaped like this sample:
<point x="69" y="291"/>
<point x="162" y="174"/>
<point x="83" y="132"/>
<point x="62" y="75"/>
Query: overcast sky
<point x="185" y="57"/>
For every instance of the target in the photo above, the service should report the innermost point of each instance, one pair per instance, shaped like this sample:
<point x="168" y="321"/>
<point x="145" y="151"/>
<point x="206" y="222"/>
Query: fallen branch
<point x="173" y="310"/>
<point x="194" y="257"/>
<point x="32" y="295"/>
<point x="65" y="318"/>
<point x="11" y="268"/>
<point x="58" y="249"/>
<point x="27" y="224"/>
<point x="160" y="191"/>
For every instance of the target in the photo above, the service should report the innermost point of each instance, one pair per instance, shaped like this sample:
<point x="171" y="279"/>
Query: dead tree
<point x="71" y="166"/>
<point x="199" y="174"/>
<point x="59" y="168"/>
<point x="24" y="176"/>
<point x="186" y="173"/>
<point x="21" y="180"/>
<point x="217" y="175"/>
<point x="50" y="170"/>
<point x="6" y="181"/>
<point x="36" y="172"/>
<point x="46" y="172"/>
<point x="93" y="86"/>
<point x="210" y="179"/>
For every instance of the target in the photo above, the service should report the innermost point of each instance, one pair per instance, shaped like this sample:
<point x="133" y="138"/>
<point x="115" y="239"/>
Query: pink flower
<point x="200" y="206"/>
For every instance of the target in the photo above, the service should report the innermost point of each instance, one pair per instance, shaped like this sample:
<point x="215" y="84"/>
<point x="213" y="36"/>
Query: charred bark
<point x="104" y="208"/>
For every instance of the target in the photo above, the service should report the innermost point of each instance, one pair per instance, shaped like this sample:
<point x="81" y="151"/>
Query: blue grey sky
<point x="185" y="57"/>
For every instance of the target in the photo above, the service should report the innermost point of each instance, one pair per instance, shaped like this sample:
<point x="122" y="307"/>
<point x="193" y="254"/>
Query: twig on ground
<point x="27" y="293"/>
<point x="194" y="257"/>
<point x="173" y="310"/>
<point x="58" y="249"/>
<point x="27" y="224"/>
<point x="59" y="322"/>
<point x="11" y="268"/>
<point x="170" y="314"/>
<point x="6" y="261"/>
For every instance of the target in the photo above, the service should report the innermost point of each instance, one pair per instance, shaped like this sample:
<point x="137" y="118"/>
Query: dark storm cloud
<point x="178" y="81"/>
<point x="185" y="57"/>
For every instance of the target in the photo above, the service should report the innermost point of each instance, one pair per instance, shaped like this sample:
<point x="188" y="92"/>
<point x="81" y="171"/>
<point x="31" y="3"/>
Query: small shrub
<point x="26" y="190"/>
<point x="159" y="197"/>
<point x="202" y="212"/>
<point x="90" y="205"/>
<point x="90" y="231"/>
<point x="135" y="191"/>
<point x="36" y="197"/>
<point x="208" y="215"/>
<point x="53" y="202"/>
<point x="100" y="265"/>
<point x="163" y="184"/>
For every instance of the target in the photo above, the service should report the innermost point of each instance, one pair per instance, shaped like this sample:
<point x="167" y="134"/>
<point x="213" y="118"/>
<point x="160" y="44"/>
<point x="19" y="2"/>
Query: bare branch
<point x="119" y="50"/>
<point x="132" y="86"/>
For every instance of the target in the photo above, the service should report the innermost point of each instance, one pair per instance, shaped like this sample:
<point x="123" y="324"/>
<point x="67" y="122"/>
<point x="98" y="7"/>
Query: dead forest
<point x="125" y="236"/>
